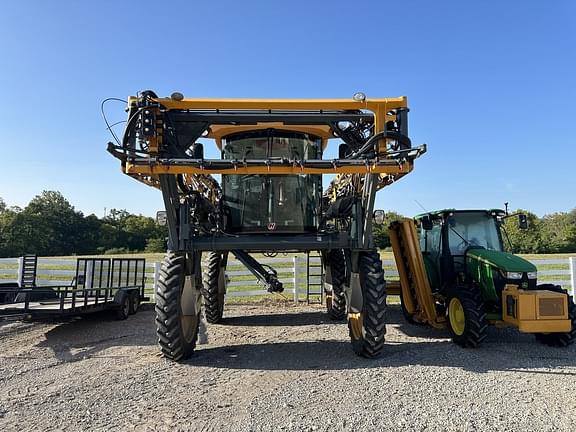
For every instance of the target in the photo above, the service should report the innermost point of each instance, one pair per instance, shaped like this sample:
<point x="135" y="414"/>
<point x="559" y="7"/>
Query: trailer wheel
<point x="466" y="316"/>
<point x="559" y="339"/>
<point x="335" y="298"/>
<point x="125" y="306"/>
<point x="368" y="328"/>
<point x="135" y="301"/>
<point x="177" y="317"/>
<point x="214" y="288"/>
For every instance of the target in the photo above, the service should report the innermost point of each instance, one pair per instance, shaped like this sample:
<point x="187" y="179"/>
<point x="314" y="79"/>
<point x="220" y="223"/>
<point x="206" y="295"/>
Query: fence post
<point x="20" y="270"/>
<point x="296" y="279"/>
<point x="573" y="275"/>
<point x="156" y="276"/>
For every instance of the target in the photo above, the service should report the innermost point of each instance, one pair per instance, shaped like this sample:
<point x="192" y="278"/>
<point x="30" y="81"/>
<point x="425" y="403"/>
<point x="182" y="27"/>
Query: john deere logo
<point x="271" y="226"/>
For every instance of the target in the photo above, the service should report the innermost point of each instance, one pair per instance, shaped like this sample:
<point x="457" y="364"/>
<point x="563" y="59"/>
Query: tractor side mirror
<point x="426" y="222"/>
<point x="522" y="221"/>
<point x="161" y="218"/>
<point x="378" y="217"/>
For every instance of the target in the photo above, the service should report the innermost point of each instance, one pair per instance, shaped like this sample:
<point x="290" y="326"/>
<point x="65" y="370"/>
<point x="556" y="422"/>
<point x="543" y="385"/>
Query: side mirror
<point x="522" y="221"/>
<point x="426" y="222"/>
<point x="378" y="217"/>
<point x="161" y="218"/>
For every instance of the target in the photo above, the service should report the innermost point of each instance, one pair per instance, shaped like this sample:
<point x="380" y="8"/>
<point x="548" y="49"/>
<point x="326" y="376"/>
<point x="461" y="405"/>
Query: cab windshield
<point x="271" y="143"/>
<point x="279" y="203"/>
<point x="473" y="229"/>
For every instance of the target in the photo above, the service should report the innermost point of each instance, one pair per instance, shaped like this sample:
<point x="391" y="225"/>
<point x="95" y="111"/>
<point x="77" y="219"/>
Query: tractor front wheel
<point x="368" y="328"/>
<point x="466" y="316"/>
<point x="177" y="310"/>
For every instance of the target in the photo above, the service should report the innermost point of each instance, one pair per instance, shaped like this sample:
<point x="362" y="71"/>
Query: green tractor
<point x="454" y="271"/>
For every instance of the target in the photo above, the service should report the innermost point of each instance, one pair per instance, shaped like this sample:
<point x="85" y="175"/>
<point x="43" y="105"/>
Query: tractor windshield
<point x="473" y="229"/>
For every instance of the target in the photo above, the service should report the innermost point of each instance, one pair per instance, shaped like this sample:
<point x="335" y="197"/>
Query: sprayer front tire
<point x="368" y="328"/>
<point x="177" y="331"/>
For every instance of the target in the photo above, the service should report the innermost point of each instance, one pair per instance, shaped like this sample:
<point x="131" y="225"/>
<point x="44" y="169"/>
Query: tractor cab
<point x="447" y="237"/>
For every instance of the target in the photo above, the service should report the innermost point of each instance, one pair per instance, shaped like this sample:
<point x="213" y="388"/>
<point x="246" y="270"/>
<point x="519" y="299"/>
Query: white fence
<point x="292" y="272"/>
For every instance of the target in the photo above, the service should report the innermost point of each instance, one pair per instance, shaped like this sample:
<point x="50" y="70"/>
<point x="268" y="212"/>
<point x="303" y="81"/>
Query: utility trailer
<point x="269" y="200"/>
<point x="99" y="284"/>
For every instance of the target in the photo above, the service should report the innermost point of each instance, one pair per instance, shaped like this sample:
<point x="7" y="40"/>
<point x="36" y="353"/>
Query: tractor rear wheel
<point x="335" y="298"/>
<point x="368" y="328"/>
<point x="177" y="316"/>
<point x="214" y="288"/>
<point x="559" y="339"/>
<point x="466" y="316"/>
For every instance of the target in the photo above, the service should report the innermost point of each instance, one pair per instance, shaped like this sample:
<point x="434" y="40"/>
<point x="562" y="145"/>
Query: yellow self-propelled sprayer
<point x="269" y="199"/>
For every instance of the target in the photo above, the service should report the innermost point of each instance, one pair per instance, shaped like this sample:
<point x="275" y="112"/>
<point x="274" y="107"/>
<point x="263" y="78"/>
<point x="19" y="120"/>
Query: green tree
<point x="155" y="245"/>
<point x="559" y="232"/>
<point x="523" y="241"/>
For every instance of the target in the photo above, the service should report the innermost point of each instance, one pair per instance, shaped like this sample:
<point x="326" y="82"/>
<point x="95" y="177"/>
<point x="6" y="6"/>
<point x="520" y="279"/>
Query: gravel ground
<point x="278" y="367"/>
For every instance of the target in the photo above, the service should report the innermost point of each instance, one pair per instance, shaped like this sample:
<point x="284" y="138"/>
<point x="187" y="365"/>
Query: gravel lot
<point x="278" y="367"/>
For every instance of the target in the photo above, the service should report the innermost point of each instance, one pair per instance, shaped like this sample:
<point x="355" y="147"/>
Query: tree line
<point x="50" y="225"/>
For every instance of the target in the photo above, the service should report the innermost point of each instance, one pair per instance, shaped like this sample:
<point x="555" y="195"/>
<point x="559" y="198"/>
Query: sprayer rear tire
<point x="212" y="292"/>
<point x="177" y="333"/>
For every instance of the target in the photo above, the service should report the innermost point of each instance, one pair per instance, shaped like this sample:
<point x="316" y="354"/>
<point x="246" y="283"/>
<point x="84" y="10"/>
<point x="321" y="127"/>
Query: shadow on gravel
<point x="338" y="355"/>
<point x="281" y="319"/>
<point x="503" y="350"/>
<point x="78" y="338"/>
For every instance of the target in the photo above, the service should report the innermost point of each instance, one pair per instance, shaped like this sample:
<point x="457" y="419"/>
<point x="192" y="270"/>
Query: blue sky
<point x="491" y="87"/>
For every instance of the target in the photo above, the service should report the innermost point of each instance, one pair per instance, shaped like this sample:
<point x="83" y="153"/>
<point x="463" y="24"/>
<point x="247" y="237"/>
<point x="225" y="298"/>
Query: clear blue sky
<point x="491" y="87"/>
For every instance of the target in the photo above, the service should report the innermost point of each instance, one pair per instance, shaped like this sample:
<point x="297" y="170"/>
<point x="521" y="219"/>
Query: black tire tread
<point x="213" y="302"/>
<point x="371" y="344"/>
<point x="337" y="263"/>
<point x="476" y="322"/>
<point x="168" y="326"/>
